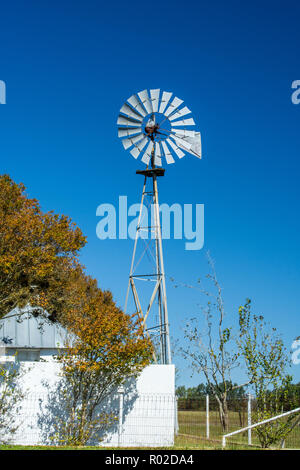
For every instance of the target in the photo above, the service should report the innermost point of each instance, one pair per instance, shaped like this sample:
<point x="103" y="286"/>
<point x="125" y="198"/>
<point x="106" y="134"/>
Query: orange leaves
<point x="107" y="340"/>
<point x="39" y="266"/>
<point x="34" y="247"/>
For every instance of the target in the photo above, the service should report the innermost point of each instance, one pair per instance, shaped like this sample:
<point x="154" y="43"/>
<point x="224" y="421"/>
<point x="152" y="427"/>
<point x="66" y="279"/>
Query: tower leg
<point x="164" y="324"/>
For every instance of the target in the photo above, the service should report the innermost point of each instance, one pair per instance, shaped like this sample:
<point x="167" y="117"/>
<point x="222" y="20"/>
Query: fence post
<point x="176" y="416"/>
<point x="249" y="419"/>
<point x="207" y="416"/>
<point x="121" y="411"/>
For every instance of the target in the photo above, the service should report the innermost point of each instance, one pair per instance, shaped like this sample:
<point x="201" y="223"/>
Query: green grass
<point x="192" y="424"/>
<point x="180" y="444"/>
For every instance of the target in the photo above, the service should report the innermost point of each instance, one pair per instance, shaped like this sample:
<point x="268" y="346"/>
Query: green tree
<point x="266" y="361"/>
<point x="181" y="391"/>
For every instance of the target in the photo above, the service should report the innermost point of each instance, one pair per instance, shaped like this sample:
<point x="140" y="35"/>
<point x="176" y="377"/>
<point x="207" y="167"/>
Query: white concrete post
<point x="249" y="420"/>
<point x="121" y="412"/>
<point x="207" y="416"/>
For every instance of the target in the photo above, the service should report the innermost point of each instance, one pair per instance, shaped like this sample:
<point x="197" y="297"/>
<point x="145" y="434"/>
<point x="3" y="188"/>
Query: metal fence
<point x="152" y="420"/>
<point x="141" y="420"/>
<point x="199" y="421"/>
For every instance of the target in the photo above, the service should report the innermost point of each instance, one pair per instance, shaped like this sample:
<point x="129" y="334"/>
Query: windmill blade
<point x="146" y="159"/>
<point x="179" y="113"/>
<point x="157" y="154"/>
<point x="183" y="133"/>
<point x="181" y="142"/>
<point x="155" y="99"/>
<point x="143" y="95"/>
<point x="167" y="153"/>
<point x="125" y="132"/>
<point x="147" y="155"/>
<point x="184" y="122"/>
<point x="196" y="147"/>
<point x="136" y="104"/>
<point x="176" y="149"/>
<point x="126" y="121"/>
<point x="132" y="141"/>
<point x="126" y="109"/>
<point x="138" y="148"/>
<point x="174" y="105"/>
<point x="164" y="101"/>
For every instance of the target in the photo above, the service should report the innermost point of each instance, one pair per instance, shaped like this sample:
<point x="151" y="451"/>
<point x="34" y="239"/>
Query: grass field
<point x="192" y="425"/>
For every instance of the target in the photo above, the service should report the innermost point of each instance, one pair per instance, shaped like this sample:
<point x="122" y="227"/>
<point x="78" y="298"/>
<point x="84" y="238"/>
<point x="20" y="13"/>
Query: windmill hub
<point x="151" y="129"/>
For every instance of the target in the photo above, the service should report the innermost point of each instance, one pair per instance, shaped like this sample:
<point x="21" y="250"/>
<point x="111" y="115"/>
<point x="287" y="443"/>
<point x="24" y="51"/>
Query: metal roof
<point x="19" y="329"/>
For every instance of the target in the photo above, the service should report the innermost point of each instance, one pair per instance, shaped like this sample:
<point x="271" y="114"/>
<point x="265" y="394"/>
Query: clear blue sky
<point x="70" y="65"/>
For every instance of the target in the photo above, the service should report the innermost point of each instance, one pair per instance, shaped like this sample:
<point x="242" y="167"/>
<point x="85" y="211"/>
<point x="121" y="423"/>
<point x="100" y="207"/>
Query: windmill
<point x="155" y="126"/>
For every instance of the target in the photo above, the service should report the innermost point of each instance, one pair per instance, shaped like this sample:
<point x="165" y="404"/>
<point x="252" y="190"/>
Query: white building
<point x="146" y="408"/>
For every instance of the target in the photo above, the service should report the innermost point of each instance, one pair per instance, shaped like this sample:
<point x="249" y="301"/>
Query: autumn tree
<point x="105" y="349"/>
<point x="37" y="250"/>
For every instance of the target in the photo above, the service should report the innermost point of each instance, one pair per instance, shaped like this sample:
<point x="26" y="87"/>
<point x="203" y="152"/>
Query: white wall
<point x="148" y="404"/>
<point x="149" y="414"/>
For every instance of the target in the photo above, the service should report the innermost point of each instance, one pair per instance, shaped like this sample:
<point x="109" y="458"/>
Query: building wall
<point x="146" y="408"/>
<point x="20" y="329"/>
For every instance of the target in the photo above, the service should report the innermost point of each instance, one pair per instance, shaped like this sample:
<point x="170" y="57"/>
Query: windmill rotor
<point x="157" y="122"/>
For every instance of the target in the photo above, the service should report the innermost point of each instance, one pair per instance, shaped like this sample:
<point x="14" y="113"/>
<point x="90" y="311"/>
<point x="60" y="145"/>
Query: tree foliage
<point x="266" y="363"/>
<point x="217" y="348"/>
<point x="201" y="390"/>
<point x="10" y="398"/>
<point x="106" y="348"/>
<point x="37" y="250"/>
